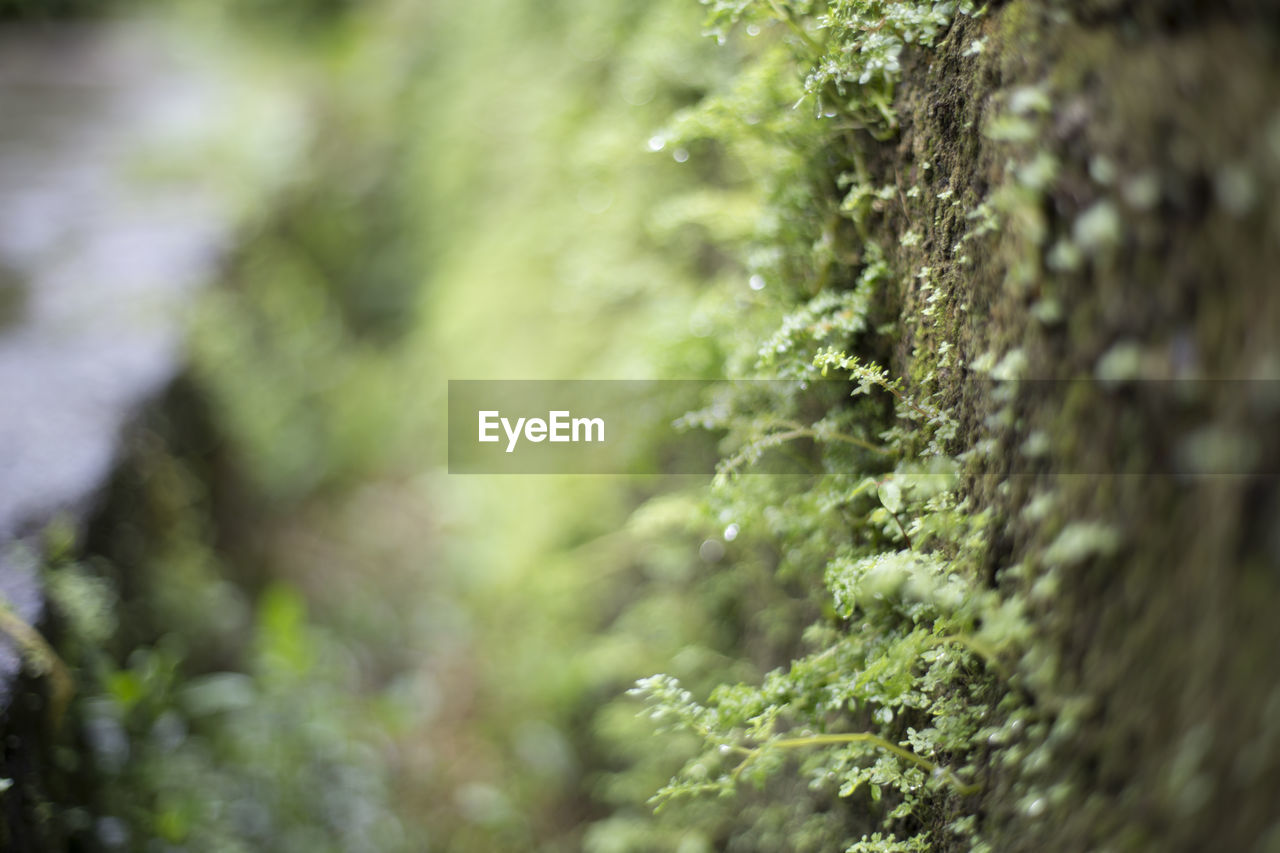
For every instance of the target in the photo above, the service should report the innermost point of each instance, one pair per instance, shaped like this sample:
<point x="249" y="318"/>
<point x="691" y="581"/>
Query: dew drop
<point x="711" y="551"/>
<point x="731" y="533"/>
<point x="680" y="155"/>
<point x="657" y="143"/>
<point x="756" y="282"/>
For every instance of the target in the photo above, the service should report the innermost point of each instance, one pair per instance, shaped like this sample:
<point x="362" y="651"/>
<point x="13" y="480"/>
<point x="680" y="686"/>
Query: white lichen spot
<point x="1236" y="189"/>
<point x="1098" y="228"/>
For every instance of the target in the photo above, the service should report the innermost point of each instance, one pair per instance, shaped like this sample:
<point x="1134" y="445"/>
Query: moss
<point x="1162" y="638"/>
<point x="1150" y="162"/>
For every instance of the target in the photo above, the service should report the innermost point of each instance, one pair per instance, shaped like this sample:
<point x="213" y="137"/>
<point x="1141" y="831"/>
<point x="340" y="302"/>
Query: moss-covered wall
<point x="1133" y="153"/>
<point x="1074" y="200"/>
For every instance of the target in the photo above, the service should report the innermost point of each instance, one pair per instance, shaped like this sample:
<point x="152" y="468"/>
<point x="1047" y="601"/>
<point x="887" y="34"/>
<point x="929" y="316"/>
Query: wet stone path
<point x="99" y="252"/>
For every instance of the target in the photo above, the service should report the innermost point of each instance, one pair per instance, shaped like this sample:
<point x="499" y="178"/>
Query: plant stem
<point x="868" y="738"/>
<point x="806" y="432"/>
<point x="42" y="659"/>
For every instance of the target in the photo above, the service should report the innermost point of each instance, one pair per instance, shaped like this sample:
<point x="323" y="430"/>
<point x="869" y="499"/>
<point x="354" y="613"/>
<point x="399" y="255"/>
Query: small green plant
<point x="890" y="708"/>
<point x="906" y="666"/>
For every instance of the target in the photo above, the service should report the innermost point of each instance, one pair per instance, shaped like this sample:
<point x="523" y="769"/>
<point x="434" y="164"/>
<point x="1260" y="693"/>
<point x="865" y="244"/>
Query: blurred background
<point x="286" y="223"/>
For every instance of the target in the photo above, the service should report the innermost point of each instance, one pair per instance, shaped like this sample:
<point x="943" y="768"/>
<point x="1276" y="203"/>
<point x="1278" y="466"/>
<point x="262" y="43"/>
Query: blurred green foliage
<point x="320" y="633"/>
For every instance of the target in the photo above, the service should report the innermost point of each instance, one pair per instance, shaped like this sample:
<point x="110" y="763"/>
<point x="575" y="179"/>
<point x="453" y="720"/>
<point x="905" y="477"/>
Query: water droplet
<point x="657" y="143"/>
<point x="680" y="155"/>
<point x="1036" y="807"/>
<point x="753" y="30"/>
<point x="756" y="282"/>
<point x="711" y="551"/>
<point x="731" y="533"/>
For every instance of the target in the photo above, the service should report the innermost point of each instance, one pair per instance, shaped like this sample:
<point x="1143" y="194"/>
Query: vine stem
<point x="42" y="658"/>
<point x="861" y="737"/>
<point x="797" y="431"/>
<point x="906" y="401"/>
